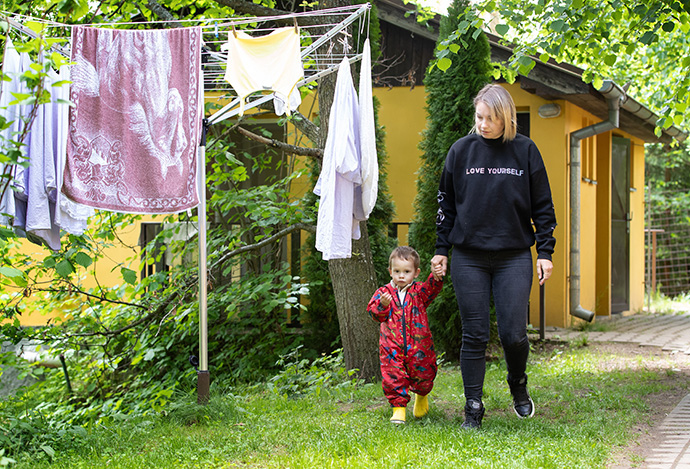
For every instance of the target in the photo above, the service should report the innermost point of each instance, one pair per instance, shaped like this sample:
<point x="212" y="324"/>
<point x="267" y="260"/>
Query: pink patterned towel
<point x="135" y="127"/>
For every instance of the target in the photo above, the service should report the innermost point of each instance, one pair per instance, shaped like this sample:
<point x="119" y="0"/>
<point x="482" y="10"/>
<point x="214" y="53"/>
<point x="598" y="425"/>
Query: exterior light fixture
<point x="549" y="110"/>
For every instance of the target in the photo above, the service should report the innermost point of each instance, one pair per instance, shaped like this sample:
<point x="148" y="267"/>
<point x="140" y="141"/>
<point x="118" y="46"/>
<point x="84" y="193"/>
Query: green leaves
<point x="83" y="259"/>
<point x="668" y="27"/>
<point x="558" y="26"/>
<point x="610" y="60"/>
<point x="502" y="29"/>
<point x="641" y="43"/>
<point x="15" y="275"/>
<point x="444" y="63"/>
<point x="648" y="38"/>
<point x="64" y="268"/>
<point x="129" y="275"/>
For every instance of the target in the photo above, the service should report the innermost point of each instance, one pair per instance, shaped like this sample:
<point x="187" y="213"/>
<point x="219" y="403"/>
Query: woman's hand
<point x="544" y="269"/>
<point x="439" y="266"/>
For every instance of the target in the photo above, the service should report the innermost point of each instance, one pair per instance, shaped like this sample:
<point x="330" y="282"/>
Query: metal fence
<point x="668" y="249"/>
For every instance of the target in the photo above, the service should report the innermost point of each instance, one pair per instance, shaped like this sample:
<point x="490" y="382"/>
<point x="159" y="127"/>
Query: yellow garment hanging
<point x="270" y="62"/>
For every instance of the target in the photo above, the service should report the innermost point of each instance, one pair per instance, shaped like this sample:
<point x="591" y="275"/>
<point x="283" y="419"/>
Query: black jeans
<point x="475" y="275"/>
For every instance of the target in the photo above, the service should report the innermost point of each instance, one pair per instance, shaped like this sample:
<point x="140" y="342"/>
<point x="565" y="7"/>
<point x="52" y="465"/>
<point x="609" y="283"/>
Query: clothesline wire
<point x="212" y="32"/>
<point x="324" y="64"/>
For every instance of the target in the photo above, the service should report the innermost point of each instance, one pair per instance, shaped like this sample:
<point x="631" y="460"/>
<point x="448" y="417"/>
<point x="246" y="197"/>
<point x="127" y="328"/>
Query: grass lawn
<point x="588" y="401"/>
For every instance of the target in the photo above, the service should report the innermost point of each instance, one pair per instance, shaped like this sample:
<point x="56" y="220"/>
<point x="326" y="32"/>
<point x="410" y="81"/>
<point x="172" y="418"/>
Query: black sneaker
<point x="522" y="403"/>
<point x="474" y="413"/>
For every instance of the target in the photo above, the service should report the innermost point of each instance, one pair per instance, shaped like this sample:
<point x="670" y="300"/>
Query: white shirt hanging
<point x="367" y="135"/>
<point x="34" y="204"/>
<point x="340" y="172"/>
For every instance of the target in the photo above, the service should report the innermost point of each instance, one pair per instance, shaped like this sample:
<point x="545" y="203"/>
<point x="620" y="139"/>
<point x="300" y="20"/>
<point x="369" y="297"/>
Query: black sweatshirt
<point x="489" y="195"/>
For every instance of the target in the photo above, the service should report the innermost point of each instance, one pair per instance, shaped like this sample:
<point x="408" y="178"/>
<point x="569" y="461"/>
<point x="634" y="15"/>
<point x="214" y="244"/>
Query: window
<point x="523" y="126"/>
<point x="148" y="233"/>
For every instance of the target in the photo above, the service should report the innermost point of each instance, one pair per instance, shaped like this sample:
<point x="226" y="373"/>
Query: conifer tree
<point x="450" y="116"/>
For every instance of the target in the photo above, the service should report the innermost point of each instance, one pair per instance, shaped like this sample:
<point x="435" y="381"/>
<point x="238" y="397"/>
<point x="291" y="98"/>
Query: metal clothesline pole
<point x="203" y="374"/>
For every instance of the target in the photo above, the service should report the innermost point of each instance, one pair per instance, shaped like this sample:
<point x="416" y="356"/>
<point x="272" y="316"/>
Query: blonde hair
<point x="502" y="107"/>
<point x="405" y="253"/>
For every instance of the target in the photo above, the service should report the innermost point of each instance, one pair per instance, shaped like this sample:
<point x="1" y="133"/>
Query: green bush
<point x="301" y="376"/>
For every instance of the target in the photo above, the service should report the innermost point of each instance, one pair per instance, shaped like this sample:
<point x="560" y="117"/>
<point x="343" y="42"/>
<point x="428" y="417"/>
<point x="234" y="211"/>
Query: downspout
<point x="614" y="96"/>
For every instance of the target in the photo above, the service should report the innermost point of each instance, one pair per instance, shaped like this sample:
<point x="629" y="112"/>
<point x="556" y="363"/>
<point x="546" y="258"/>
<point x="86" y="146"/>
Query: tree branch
<point x="271" y="142"/>
<point x="305" y="126"/>
<point x="161" y="12"/>
<point x="250" y="8"/>
<point x="159" y="311"/>
<point x="97" y="297"/>
<point x="162" y="307"/>
<point x="299" y="120"/>
<point x="265" y="242"/>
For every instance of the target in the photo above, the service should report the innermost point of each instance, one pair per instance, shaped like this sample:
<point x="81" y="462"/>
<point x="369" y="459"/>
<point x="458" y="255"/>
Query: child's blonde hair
<point x="502" y="107"/>
<point x="405" y="253"/>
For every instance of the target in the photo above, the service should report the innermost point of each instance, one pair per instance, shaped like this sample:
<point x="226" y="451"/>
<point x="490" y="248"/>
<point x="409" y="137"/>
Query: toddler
<point x="406" y="348"/>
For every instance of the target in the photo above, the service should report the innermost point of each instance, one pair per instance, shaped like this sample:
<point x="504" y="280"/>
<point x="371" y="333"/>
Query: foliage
<point x="663" y="304"/>
<point x="128" y="345"/>
<point x="117" y="348"/>
<point x="667" y="170"/>
<point x="301" y="377"/>
<point x="642" y="43"/>
<point x="450" y="109"/>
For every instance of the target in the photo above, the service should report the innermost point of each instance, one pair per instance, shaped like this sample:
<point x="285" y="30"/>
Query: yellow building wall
<point x="595" y="218"/>
<point x="549" y="137"/>
<point x="601" y="303"/>
<point x="637" y="236"/>
<point x="589" y="189"/>
<point x="403" y="115"/>
<point x="309" y="108"/>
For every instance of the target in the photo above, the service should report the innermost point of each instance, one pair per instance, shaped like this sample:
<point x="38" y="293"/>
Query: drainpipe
<point x="614" y="96"/>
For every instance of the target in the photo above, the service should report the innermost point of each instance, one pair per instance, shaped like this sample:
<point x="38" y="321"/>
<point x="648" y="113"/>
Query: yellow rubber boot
<point x="398" y="415"/>
<point x="421" y="406"/>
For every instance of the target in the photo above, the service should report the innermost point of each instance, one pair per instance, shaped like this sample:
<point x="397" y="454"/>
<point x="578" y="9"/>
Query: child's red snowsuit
<point x="406" y="348"/>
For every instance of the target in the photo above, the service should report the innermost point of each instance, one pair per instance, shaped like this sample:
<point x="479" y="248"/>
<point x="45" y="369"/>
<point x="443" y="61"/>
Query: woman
<point x="493" y="187"/>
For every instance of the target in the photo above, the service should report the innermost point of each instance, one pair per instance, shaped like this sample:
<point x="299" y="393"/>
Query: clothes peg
<point x="294" y="20"/>
<point x="234" y="31"/>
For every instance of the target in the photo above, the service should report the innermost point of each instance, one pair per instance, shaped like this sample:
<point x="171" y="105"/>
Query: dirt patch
<point x="674" y="368"/>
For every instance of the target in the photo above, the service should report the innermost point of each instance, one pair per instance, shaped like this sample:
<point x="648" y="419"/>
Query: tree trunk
<point x="354" y="279"/>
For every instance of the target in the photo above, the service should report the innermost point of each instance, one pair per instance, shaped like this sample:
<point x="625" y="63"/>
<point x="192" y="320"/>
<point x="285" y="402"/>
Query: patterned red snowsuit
<point x="406" y="348"/>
